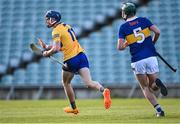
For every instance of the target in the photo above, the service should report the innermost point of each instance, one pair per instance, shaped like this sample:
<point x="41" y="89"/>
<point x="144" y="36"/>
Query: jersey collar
<point x="132" y="18"/>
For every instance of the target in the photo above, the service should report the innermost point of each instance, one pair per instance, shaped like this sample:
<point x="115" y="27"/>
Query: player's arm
<point x="57" y="44"/>
<point x="44" y="45"/>
<point x="56" y="47"/>
<point x="156" y="33"/>
<point x="122" y="44"/>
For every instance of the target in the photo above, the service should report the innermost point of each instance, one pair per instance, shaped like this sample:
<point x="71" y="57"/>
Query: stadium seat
<point x="24" y="20"/>
<point x="19" y="77"/>
<point x="7" y="80"/>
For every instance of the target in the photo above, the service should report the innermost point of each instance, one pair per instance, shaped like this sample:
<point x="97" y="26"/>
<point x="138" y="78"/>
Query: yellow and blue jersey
<point x="138" y="36"/>
<point x="64" y="34"/>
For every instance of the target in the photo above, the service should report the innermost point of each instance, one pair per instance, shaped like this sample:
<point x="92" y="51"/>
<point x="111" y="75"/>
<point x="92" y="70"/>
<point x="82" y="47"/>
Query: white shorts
<point x="145" y="66"/>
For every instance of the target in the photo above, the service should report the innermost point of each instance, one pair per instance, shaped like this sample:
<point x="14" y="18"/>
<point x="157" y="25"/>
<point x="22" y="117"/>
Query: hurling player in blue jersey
<point x="136" y="33"/>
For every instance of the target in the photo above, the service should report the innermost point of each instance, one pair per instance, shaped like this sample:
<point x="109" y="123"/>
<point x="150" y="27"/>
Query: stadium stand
<point x="22" y="20"/>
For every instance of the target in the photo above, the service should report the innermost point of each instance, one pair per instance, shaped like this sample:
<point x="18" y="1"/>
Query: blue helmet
<point x="51" y="14"/>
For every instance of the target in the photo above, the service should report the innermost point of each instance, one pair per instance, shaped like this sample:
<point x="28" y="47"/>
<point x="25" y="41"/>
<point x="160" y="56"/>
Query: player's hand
<point x="41" y="43"/>
<point x="46" y="54"/>
<point x="126" y="44"/>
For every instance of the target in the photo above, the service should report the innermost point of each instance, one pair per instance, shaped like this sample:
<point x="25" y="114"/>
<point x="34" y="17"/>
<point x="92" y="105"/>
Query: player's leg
<point x="155" y="83"/>
<point x="86" y="77"/>
<point x="152" y="71"/>
<point x="151" y="79"/>
<point x="67" y="77"/>
<point x="143" y="81"/>
<point x="141" y="68"/>
<point x="83" y="70"/>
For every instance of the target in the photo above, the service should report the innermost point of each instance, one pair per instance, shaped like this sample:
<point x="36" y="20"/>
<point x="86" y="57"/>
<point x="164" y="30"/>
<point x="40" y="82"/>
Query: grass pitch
<point x="91" y="111"/>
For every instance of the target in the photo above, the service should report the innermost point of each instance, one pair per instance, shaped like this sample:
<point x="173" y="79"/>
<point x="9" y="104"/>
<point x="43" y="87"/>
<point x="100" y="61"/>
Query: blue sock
<point x="158" y="108"/>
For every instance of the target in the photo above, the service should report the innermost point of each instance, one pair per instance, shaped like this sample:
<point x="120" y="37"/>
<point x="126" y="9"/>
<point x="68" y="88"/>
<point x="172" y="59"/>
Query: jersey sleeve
<point x="148" y="22"/>
<point x="121" y="32"/>
<point x="56" y="36"/>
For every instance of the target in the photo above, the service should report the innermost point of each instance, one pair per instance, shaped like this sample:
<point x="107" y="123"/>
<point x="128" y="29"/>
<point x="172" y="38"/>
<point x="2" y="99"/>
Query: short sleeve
<point x="121" y="32"/>
<point x="148" y="22"/>
<point x="56" y="36"/>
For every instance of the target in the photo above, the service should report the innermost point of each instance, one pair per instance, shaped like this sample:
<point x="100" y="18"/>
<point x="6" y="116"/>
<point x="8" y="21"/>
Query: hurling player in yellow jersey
<point x="64" y="40"/>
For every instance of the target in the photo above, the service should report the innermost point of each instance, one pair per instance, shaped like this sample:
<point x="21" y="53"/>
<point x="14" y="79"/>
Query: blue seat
<point x="20" y="26"/>
<point x="19" y="77"/>
<point x="7" y="80"/>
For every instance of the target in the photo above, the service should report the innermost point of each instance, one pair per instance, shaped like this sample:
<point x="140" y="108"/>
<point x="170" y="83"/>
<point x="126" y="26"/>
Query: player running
<point x="136" y="33"/>
<point x="64" y="40"/>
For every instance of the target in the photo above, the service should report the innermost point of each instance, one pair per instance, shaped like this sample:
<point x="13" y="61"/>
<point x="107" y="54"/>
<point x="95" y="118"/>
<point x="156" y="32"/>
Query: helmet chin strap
<point x="124" y="16"/>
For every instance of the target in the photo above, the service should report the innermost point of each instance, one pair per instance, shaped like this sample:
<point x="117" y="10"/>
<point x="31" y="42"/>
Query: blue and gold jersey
<point x="138" y="36"/>
<point x="64" y="34"/>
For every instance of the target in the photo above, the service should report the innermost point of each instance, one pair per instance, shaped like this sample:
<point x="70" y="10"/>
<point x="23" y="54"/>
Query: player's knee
<point x="144" y="86"/>
<point x="64" y="83"/>
<point x="88" y="83"/>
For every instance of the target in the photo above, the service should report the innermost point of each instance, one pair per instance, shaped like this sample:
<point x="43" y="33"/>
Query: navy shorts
<point x="77" y="62"/>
